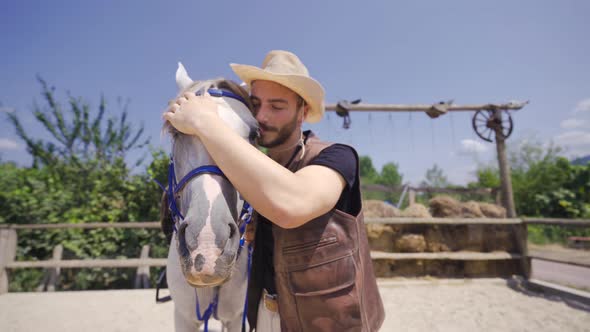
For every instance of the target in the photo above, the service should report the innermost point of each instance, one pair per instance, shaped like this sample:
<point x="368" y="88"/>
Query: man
<point x="311" y="260"/>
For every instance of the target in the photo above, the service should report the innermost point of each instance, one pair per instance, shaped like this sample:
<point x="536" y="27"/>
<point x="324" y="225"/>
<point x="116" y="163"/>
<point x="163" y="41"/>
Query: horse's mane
<point x="218" y="83"/>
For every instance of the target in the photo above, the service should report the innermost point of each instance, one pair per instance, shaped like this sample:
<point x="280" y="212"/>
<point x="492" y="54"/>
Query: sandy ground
<point x="411" y="305"/>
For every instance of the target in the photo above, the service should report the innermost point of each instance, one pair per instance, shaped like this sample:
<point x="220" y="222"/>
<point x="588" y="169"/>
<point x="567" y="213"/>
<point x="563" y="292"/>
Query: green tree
<point x="76" y="137"/>
<point x="80" y="175"/>
<point x="367" y="170"/>
<point x="435" y="177"/>
<point x="487" y="177"/>
<point x="544" y="184"/>
<point x="390" y="175"/>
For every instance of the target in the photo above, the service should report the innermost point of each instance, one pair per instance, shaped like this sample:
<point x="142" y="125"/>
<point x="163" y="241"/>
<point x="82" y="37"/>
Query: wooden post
<point x="497" y="196"/>
<point x="505" y="177"/>
<point x="51" y="277"/>
<point x="411" y="197"/>
<point x="8" y="241"/>
<point x="142" y="276"/>
<point x="521" y="238"/>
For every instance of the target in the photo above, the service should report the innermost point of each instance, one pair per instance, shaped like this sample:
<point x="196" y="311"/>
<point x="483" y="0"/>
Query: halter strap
<point x="175" y="187"/>
<point x="224" y="93"/>
<point x="207" y="169"/>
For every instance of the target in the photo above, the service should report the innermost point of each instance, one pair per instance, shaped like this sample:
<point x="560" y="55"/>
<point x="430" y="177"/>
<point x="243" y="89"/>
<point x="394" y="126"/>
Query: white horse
<point x="206" y="269"/>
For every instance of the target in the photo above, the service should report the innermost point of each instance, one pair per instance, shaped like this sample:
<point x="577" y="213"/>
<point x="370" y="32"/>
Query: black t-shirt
<point x="338" y="157"/>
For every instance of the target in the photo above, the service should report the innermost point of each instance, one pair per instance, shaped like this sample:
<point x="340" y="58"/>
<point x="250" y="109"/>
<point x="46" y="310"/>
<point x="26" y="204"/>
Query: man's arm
<point x="285" y="198"/>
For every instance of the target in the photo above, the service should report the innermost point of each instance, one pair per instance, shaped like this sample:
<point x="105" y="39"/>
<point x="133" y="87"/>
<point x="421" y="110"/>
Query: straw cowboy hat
<point x="286" y="69"/>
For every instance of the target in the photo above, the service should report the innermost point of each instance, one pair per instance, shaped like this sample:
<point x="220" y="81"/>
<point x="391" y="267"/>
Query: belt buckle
<point x="270" y="301"/>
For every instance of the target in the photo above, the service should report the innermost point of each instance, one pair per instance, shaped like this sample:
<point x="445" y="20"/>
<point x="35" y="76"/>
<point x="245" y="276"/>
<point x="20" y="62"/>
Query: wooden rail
<point x="557" y="221"/>
<point x="89" y="225"/>
<point x="456" y="256"/>
<point x="8" y="244"/>
<point x="443" y="221"/>
<point x="88" y="263"/>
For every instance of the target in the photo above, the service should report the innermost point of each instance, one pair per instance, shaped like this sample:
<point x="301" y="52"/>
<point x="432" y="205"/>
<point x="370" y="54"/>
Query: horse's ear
<point x="183" y="81"/>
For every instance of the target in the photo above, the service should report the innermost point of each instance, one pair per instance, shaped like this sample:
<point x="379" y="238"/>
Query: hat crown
<point x="285" y="63"/>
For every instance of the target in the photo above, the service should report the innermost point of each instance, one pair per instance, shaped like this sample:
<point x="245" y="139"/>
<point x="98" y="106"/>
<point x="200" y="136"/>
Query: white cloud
<point x="573" y="123"/>
<point x="469" y="146"/>
<point x="575" y="138"/>
<point x="583" y="106"/>
<point x="6" y="109"/>
<point x="8" y="144"/>
<point x="576" y="142"/>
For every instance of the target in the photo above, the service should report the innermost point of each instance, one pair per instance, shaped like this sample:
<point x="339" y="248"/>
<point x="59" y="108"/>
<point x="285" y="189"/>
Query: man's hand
<point x="190" y="113"/>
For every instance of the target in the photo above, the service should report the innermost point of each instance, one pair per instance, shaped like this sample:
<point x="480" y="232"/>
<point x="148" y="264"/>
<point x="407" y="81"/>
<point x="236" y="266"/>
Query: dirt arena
<point x="411" y="305"/>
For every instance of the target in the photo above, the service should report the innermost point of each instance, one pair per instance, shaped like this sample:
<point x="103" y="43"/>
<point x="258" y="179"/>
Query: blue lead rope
<point x="211" y="309"/>
<point x="174" y="188"/>
<point x="246" y="218"/>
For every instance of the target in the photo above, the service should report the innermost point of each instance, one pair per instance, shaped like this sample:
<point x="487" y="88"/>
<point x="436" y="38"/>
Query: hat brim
<point x="306" y="87"/>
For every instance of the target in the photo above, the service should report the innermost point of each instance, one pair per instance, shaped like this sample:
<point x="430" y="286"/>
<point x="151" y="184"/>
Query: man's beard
<point x="283" y="134"/>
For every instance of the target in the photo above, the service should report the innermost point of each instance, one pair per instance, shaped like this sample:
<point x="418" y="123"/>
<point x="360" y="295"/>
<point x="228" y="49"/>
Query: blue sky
<point x="383" y="52"/>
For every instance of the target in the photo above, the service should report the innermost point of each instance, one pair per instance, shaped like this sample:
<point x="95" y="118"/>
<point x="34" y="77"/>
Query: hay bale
<point x="436" y="241"/>
<point x="410" y="243"/>
<point x="445" y="207"/>
<point x="475" y="239"/>
<point x="382" y="268"/>
<point x="379" y="209"/>
<point x="492" y="210"/>
<point x="474" y="269"/>
<point x="380" y="237"/>
<point x="500" y="237"/>
<point x="444" y="269"/>
<point x="416" y="211"/>
<point x="407" y="268"/>
<point x="471" y="210"/>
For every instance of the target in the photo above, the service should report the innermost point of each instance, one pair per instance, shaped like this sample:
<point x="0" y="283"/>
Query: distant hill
<point x="581" y="161"/>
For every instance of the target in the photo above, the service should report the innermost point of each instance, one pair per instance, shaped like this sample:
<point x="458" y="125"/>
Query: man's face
<point x="275" y="109"/>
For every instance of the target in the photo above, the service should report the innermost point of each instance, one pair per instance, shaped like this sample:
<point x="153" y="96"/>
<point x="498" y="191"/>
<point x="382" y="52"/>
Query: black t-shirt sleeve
<point x="340" y="158"/>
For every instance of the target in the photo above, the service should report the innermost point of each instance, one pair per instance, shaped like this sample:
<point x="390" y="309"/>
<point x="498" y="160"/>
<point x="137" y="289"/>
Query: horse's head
<point x="208" y="237"/>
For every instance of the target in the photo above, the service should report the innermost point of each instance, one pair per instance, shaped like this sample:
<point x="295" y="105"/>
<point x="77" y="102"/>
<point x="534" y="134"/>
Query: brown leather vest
<point x="324" y="274"/>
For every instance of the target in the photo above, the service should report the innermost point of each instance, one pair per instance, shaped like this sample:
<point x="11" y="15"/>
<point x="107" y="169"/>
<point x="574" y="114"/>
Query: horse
<point x="207" y="265"/>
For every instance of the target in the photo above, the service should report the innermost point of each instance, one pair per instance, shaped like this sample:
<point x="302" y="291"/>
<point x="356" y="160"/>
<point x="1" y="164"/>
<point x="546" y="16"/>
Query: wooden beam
<point x="142" y="276"/>
<point x="90" y="225"/>
<point x="8" y="242"/>
<point x="505" y="177"/>
<point x="457" y="256"/>
<point x="442" y="221"/>
<point x="51" y="276"/>
<point x="411" y="197"/>
<point x="395" y="189"/>
<point x="558" y="260"/>
<point x="557" y="221"/>
<point x="88" y="263"/>
<point x="424" y="107"/>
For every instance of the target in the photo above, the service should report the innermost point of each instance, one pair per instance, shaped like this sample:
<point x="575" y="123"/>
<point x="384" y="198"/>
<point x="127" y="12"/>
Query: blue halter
<point x="175" y="187"/>
<point x="225" y="93"/>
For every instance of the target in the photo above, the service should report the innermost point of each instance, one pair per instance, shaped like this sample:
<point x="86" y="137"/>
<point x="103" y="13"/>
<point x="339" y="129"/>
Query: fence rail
<point x="8" y="244"/>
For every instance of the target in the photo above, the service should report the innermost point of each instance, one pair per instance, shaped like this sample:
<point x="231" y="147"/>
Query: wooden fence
<point x="493" y="193"/>
<point x="8" y="246"/>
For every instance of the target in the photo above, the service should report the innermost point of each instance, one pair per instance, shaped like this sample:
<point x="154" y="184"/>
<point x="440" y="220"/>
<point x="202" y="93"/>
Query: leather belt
<point x="270" y="301"/>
